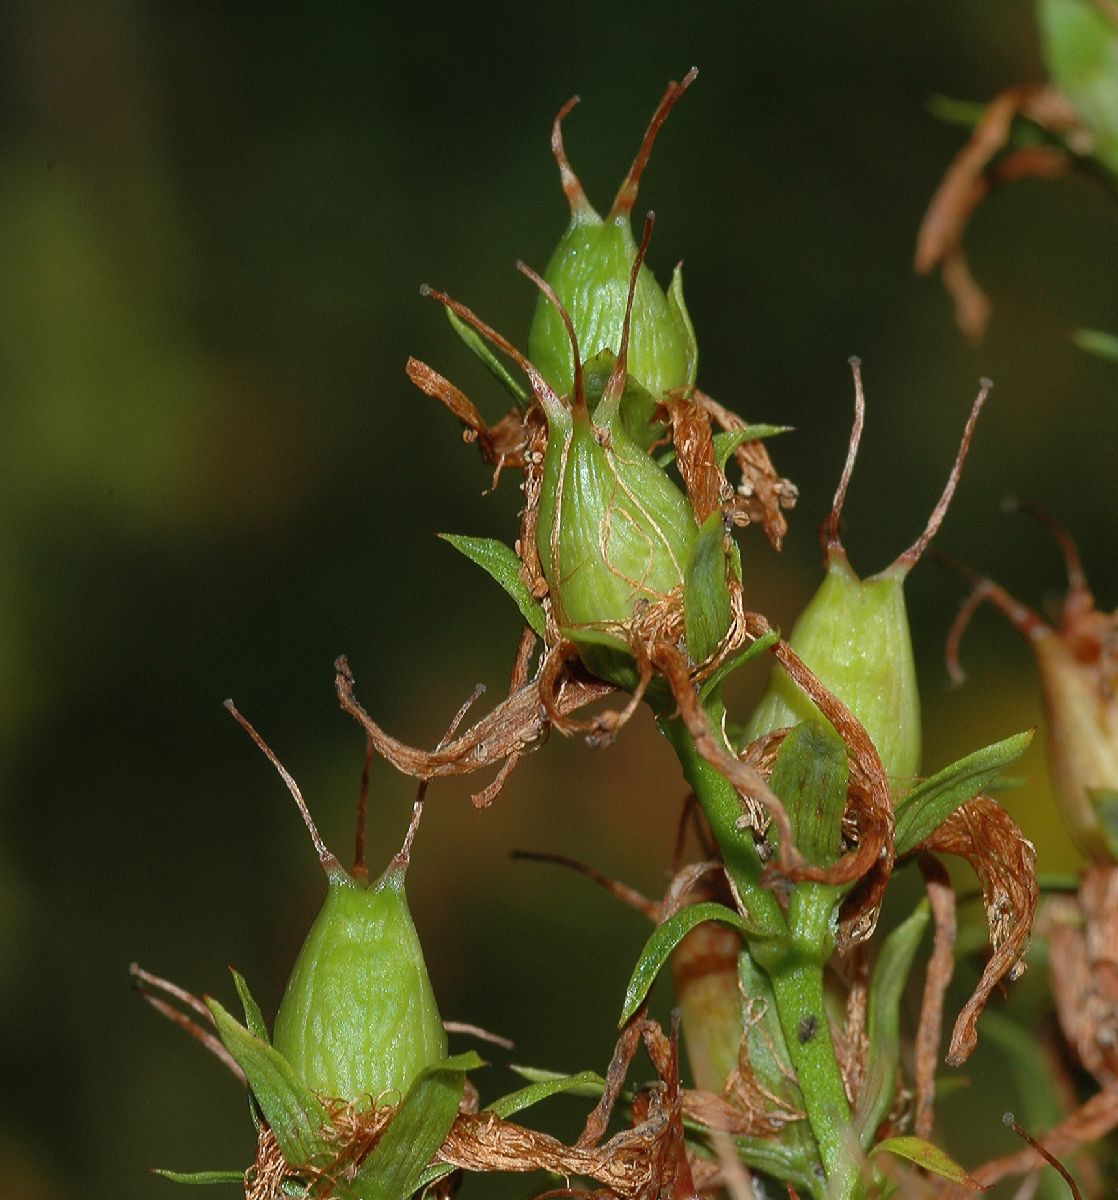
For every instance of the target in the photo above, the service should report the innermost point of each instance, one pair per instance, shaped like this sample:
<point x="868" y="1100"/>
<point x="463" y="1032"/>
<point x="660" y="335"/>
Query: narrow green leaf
<point x="254" y="1018"/>
<point x="1095" y="341"/>
<point x="503" y="565"/>
<point x="664" y="940"/>
<point x="395" y="1168"/>
<point x="883" y="1021"/>
<point x="726" y="443"/>
<point x="590" y="1087"/>
<point x="930" y="803"/>
<point x="483" y="351"/>
<point x="201" y="1178"/>
<point x="723" y="672"/>
<point x="706" y="594"/>
<point x="929" y="1156"/>
<point x="810" y="776"/>
<point x="585" y="1082"/>
<point x="295" y="1114"/>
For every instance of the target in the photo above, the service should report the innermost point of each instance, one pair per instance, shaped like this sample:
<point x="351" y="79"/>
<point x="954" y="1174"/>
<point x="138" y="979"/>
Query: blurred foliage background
<point x="215" y="477"/>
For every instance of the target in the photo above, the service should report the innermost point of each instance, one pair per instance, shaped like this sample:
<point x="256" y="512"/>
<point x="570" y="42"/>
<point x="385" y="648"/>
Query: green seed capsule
<point x="1080" y="42"/>
<point x="589" y="272"/>
<point x="854" y="633"/>
<point x="614" y="530"/>
<point x="358" y="1017"/>
<point x="1079" y="683"/>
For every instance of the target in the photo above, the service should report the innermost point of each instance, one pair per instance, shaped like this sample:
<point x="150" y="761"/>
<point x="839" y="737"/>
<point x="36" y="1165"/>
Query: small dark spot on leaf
<point x="806" y="1029"/>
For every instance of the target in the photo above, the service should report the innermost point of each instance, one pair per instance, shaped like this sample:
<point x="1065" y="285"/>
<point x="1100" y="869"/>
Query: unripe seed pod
<point x="589" y="273"/>
<point x="614" y="530"/>
<point x="854" y="633"/>
<point x="1078" y="673"/>
<point x="358" y="1017"/>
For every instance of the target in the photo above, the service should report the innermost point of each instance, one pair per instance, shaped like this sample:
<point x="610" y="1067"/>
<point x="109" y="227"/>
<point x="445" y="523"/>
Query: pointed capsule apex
<point x="906" y="561"/>
<point x="627" y="193"/>
<point x="572" y="188"/>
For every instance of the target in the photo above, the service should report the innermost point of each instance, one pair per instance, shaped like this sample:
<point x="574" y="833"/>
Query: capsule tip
<point x="854" y="361"/>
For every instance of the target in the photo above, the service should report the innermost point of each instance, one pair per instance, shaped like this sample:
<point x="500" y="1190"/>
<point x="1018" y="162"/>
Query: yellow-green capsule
<point x="854" y="633"/>
<point x="1078" y="673"/>
<point x="358" y="1017"/>
<point x="589" y="273"/>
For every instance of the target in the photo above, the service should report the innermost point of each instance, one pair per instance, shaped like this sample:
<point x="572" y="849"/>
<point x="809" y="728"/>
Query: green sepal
<point x="930" y="803"/>
<point x="254" y="1018"/>
<point x="1095" y="341"/>
<point x="200" y="1178"/>
<point x="637" y="407"/>
<point x="484" y="352"/>
<point x="257" y="1026"/>
<point x="723" y="671"/>
<point x="664" y="940"/>
<point x="677" y="307"/>
<point x="926" y="1154"/>
<point x="294" y="1113"/>
<point x="605" y="656"/>
<point x="501" y="562"/>
<point x="883" y="1021"/>
<point x="397" y="1165"/>
<point x="706" y="594"/>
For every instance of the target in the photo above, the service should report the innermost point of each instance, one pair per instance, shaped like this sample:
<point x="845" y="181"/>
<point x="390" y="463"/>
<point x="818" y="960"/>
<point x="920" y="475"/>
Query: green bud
<point x="854" y="633"/>
<point x="589" y="273"/>
<point x="358" y="1017"/>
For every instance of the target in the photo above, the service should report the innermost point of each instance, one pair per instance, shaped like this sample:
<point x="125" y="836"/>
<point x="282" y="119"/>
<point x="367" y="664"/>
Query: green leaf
<point x="726" y="443"/>
<point x="396" y="1166"/>
<point x="481" y="348"/>
<point x="254" y="1018"/>
<point x="664" y="940"/>
<point x="201" y="1178"/>
<point x="591" y="1087"/>
<point x="883" y="1022"/>
<point x="810" y="776"/>
<point x="929" y="1156"/>
<point x="1095" y="341"/>
<point x="930" y="803"/>
<point x="582" y="1084"/>
<point x="723" y="672"/>
<point x="295" y="1114"/>
<point x="706" y="595"/>
<point x="502" y="563"/>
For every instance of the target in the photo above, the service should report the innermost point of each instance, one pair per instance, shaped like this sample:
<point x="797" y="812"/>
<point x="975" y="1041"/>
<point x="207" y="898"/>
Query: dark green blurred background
<point x="214" y="220"/>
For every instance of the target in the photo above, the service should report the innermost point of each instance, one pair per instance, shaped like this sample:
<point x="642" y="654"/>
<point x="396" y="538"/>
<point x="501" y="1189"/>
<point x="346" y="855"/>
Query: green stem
<point x="794" y="967"/>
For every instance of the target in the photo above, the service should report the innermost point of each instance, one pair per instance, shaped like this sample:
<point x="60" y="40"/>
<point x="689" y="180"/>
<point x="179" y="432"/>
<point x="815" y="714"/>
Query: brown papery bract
<point x="983" y="833"/>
